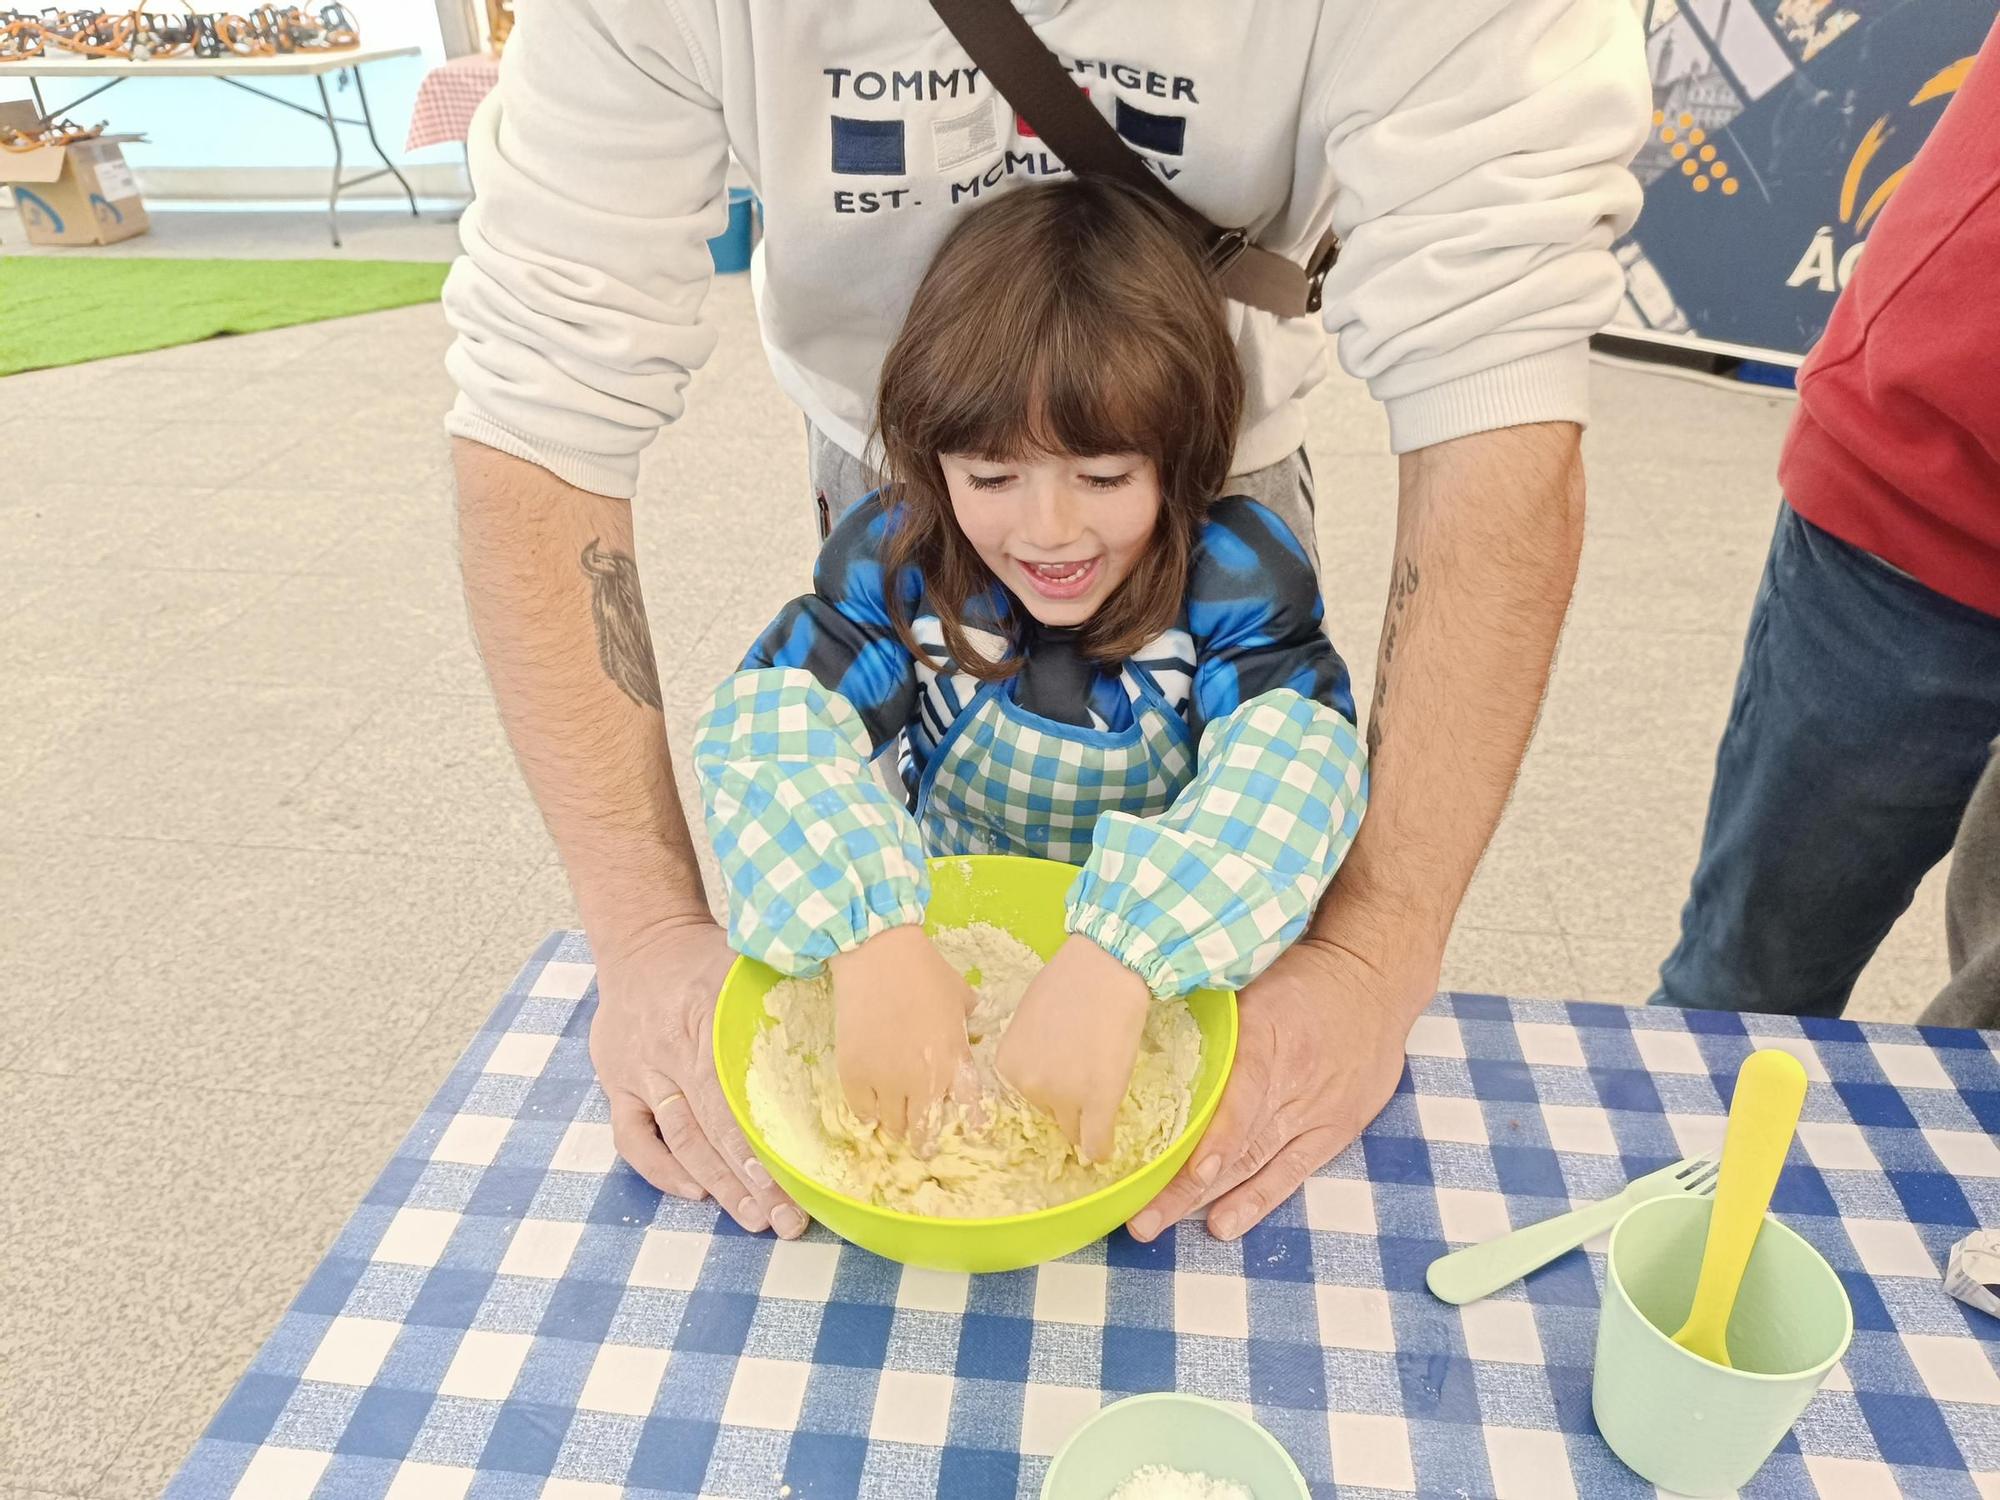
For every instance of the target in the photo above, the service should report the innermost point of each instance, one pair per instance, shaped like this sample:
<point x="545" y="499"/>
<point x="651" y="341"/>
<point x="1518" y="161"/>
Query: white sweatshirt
<point x="1469" y="153"/>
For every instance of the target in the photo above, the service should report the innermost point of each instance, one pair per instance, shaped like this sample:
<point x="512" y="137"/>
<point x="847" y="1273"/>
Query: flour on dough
<point x="1019" y="1160"/>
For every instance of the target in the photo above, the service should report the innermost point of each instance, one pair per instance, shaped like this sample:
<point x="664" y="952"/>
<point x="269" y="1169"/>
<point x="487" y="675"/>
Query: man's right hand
<point x="899" y="1033"/>
<point x="650" y="1044"/>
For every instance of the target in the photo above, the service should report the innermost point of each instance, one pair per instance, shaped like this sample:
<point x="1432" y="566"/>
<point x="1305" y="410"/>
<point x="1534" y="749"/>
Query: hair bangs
<point x="1048" y="379"/>
<point x="1073" y="318"/>
<point x="1101" y="387"/>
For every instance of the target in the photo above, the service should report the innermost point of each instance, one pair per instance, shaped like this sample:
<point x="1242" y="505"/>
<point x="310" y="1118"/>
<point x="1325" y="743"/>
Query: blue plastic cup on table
<point x="731" y="249"/>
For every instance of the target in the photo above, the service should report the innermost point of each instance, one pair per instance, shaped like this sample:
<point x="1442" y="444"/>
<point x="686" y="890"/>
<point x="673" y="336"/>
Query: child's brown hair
<point x="1070" y="317"/>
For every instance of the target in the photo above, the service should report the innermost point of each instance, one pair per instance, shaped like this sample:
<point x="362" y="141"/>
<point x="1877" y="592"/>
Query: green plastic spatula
<point x="1763" y="1114"/>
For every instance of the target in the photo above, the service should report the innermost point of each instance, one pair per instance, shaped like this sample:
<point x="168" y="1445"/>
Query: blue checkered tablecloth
<point x="513" y="1313"/>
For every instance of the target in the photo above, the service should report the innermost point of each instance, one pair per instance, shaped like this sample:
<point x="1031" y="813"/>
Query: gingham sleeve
<point x="817" y="855"/>
<point x="1214" y="889"/>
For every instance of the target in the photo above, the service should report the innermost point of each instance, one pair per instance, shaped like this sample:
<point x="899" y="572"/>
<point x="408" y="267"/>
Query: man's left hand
<point x="1319" y="1053"/>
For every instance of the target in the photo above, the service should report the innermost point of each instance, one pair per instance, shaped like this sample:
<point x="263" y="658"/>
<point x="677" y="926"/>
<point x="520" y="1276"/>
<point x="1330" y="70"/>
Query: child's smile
<point x="1060" y="531"/>
<point x="1060" y="580"/>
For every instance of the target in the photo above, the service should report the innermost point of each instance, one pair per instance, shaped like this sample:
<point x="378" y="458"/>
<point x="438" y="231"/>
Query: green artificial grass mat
<point x="55" y="311"/>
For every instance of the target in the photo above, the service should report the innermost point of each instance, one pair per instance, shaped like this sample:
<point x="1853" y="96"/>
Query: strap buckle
<point x="1226" y="249"/>
<point x="1316" y="273"/>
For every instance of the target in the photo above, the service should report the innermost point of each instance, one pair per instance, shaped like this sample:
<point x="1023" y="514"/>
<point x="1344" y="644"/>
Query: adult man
<point x="1472" y="159"/>
<point x="1870" y="686"/>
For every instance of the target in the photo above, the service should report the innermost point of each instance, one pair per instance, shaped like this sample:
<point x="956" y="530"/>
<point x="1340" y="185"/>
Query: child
<point x="1085" y="654"/>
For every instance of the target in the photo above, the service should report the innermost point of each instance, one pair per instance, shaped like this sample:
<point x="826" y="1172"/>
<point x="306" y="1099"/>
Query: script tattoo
<point x="1402" y="584"/>
<point x="624" y="645"/>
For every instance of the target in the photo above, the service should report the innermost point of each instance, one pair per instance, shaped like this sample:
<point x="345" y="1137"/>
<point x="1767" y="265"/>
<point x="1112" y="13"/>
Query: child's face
<point x="1060" y="532"/>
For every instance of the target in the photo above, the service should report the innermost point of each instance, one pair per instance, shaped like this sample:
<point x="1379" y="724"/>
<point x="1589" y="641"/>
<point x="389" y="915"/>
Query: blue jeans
<point x="1863" y="714"/>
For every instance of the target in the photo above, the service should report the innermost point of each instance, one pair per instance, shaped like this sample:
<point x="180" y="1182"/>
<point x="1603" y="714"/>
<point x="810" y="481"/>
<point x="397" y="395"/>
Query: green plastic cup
<point x="1676" y="1419"/>
<point x="1169" y="1430"/>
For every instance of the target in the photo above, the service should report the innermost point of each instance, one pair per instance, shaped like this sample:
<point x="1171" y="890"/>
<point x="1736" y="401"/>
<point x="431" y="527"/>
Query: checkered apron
<point x="1006" y="781"/>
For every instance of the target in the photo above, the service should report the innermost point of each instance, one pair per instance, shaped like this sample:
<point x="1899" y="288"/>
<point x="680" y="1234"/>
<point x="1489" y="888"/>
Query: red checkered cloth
<point x="449" y="95"/>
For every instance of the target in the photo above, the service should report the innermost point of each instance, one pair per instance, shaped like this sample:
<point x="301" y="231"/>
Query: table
<point x="511" y="1312"/>
<point x="447" y="98"/>
<point x="235" y="71"/>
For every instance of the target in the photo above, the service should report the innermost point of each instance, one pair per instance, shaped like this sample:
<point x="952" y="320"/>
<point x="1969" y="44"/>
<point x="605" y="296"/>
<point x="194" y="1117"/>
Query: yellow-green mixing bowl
<point x="1024" y="896"/>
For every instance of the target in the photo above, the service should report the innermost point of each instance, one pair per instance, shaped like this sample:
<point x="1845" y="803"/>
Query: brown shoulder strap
<point x="1029" y="77"/>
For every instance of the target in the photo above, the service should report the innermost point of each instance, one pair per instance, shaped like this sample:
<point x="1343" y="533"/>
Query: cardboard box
<point x="72" y="195"/>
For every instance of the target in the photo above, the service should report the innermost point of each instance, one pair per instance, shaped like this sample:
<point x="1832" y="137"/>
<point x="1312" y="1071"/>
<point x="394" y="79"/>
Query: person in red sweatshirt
<point x="1869" y="695"/>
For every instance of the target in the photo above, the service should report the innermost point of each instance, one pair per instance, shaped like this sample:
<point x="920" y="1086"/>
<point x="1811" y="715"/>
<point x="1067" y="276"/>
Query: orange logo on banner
<point x="1822" y="265"/>
<point x="1691" y="147"/>
<point x="1939" y="85"/>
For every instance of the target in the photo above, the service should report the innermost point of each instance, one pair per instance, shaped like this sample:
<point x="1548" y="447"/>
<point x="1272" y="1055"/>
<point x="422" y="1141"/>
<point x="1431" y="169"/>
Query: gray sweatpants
<point x="1972" y="914"/>
<point x="839" y="479"/>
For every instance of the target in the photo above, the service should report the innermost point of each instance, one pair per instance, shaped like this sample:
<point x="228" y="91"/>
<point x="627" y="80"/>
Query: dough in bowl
<point x="1017" y="1161"/>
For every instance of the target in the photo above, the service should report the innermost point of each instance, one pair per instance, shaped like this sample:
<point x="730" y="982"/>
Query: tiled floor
<point x="269" y="862"/>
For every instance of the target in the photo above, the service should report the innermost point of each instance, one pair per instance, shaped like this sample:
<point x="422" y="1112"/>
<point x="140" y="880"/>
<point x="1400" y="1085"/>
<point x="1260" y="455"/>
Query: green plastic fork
<point x="1480" y="1270"/>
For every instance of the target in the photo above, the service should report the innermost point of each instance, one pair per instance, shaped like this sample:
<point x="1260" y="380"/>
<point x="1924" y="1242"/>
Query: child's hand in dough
<point x="1072" y="1044"/>
<point x="899" y="1032"/>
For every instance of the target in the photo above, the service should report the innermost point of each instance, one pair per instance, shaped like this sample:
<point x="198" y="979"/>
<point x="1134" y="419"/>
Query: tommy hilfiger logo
<point x="863" y="147"/>
<point x="876" y="148"/>
<point x="1144" y="128"/>
<point x="1164" y="134"/>
<point x="870" y="148"/>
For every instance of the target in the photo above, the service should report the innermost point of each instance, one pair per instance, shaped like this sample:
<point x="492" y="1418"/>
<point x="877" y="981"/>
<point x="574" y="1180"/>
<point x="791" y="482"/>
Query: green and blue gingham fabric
<point x="1005" y="785"/>
<point x="817" y="854"/>
<point x="1051" y="763"/>
<point x="1216" y="888"/>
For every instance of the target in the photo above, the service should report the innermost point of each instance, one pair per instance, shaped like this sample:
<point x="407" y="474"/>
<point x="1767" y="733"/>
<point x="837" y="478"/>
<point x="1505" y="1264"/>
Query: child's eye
<point x="1107" y="481"/>
<point x="987" y="481"/>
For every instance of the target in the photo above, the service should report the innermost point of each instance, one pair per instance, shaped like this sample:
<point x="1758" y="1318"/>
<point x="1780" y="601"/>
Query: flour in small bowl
<point x="1157" y="1483"/>
<point x="1018" y="1160"/>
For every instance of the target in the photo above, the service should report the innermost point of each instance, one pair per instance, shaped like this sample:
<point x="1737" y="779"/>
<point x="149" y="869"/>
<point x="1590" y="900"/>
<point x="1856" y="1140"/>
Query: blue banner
<point x="1781" y="129"/>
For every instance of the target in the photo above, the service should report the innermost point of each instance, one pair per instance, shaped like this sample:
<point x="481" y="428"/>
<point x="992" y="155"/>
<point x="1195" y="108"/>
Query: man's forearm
<point x="554" y="595"/>
<point x="1488" y="533"/>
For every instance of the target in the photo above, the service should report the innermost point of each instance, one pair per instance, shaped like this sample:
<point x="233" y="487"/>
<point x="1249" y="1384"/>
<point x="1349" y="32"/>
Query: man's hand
<point x="1070" y="1047"/>
<point x="1318" y="1055"/>
<point x="650" y="1045"/>
<point x="899" y="1032"/>
<point x="1488" y="529"/>
<point x="553" y="592"/>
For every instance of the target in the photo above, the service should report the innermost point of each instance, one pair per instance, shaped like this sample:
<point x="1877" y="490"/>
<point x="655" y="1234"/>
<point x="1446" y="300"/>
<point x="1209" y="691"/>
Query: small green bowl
<point x="1189" y="1433"/>
<point x="1025" y="897"/>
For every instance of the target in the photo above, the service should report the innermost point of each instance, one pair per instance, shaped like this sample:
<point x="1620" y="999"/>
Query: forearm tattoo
<point x="624" y="644"/>
<point x="1402" y="584"/>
